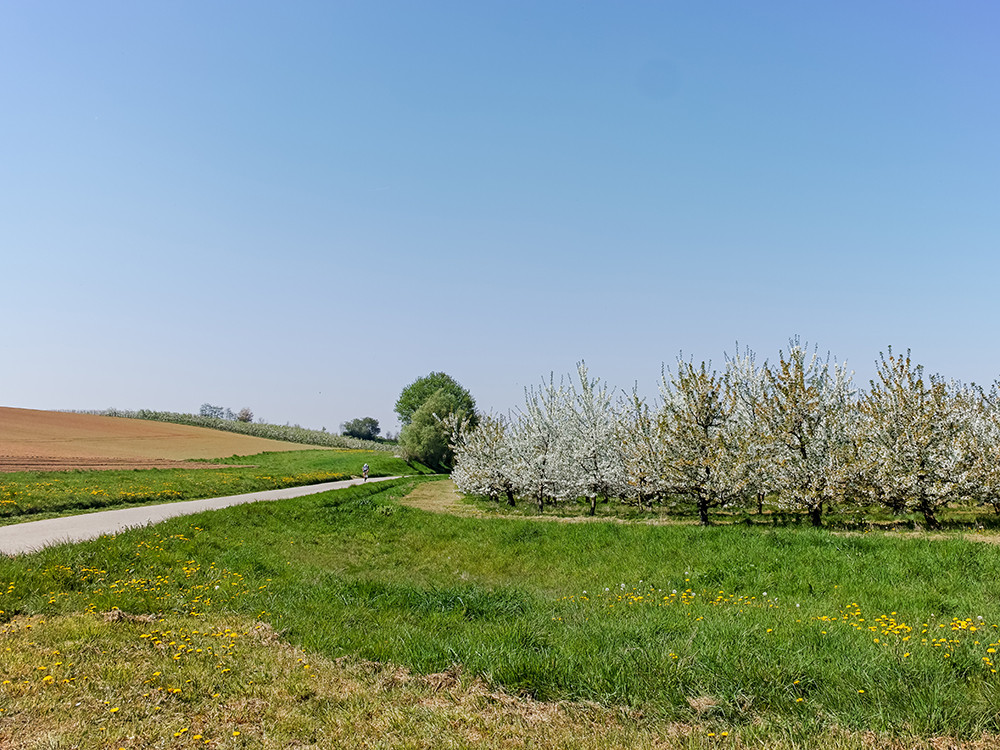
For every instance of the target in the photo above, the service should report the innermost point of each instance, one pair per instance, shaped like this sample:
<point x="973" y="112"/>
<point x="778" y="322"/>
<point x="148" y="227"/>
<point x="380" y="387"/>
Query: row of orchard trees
<point x="794" y="434"/>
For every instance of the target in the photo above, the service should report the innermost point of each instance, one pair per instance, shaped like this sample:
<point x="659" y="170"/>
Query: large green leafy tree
<point x="425" y="408"/>
<point x="416" y="393"/>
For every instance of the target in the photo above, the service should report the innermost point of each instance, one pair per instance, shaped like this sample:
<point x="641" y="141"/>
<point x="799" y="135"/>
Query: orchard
<point x="793" y="435"/>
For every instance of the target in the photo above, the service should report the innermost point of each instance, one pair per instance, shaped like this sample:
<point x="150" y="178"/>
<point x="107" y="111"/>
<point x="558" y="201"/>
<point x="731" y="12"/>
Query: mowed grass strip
<point x="35" y="495"/>
<point x="784" y="637"/>
<point x="230" y="682"/>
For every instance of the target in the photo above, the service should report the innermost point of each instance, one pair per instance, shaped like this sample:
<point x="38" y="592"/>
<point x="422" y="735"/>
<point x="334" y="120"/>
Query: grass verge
<point x="29" y="496"/>
<point x="218" y="681"/>
<point x="686" y="637"/>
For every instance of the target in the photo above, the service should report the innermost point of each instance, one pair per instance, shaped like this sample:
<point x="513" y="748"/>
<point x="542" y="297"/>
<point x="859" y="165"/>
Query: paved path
<point x="33" y="535"/>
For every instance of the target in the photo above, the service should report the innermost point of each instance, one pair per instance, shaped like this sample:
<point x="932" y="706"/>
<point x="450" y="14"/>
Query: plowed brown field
<point x="32" y="440"/>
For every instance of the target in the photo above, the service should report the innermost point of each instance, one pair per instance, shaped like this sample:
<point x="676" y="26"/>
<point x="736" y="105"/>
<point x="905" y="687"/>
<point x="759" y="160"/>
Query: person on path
<point x="364" y="471"/>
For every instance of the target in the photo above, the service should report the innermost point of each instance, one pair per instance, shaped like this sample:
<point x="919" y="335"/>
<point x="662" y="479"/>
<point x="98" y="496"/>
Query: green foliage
<point x="420" y="390"/>
<point x="212" y="411"/>
<point x="770" y="627"/>
<point x="426" y="438"/>
<point x="363" y="428"/>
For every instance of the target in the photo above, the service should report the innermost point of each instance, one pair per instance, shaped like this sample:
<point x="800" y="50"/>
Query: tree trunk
<point x="816" y="515"/>
<point x="760" y="503"/>
<point x="541" y="502"/>
<point x="929" y="517"/>
<point x="702" y="509"/>
<point x="924" y="505"/>
<point x="510" y="498"/>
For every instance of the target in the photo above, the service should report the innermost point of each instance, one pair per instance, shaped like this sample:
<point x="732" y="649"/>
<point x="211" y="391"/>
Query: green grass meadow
<point x="773" y="636"/>
<point x="30" y="496"/>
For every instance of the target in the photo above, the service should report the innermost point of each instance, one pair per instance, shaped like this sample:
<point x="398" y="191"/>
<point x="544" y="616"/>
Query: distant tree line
<point x="218" y="412"/>
<point x="792" y="435"/>
<point x="363" y="428"/>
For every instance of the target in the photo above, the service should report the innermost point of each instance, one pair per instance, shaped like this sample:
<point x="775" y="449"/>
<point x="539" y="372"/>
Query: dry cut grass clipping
<point x="439" y="497"/>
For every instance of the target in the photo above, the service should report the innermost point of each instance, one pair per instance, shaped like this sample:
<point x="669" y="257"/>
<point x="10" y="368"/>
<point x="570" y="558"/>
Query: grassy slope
<point x="235" y="685"/>
<point x="571" y="611"/>
<point x="34" y="495"/>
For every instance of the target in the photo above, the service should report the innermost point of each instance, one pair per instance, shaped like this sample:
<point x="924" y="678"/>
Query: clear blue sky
<point x="302" y="207"/>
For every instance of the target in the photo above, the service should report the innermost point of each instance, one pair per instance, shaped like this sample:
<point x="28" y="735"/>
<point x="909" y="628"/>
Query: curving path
<point x="33" y="535"/>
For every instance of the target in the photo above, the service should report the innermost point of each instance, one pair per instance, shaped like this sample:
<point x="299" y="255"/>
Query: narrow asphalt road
<point x="33" y="535"/>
